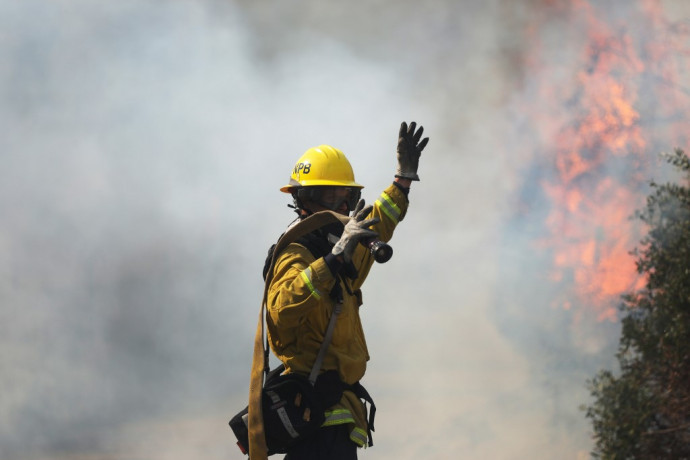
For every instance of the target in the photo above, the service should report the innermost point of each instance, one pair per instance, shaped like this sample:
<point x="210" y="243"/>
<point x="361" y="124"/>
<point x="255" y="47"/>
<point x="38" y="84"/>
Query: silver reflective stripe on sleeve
<point x="306" y="276"/>
<point x="359" y="436"/>
<point x="283" y="415"/>
<point x="388" y="206"/>
<point x="338" y="417"/>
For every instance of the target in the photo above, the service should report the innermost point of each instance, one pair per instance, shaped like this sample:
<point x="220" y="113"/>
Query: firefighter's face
<point x="339" y="199"/>
<point x="316" y="207"/>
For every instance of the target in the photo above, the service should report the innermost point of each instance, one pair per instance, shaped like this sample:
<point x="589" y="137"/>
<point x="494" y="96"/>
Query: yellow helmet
<point x="321" y="166"/>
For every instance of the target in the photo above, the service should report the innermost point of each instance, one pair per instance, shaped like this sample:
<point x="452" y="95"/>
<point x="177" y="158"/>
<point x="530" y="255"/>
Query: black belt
<point x="362" y="393"/>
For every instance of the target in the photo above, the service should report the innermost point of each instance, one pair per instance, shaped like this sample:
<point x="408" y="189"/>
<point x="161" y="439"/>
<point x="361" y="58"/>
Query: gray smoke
<point x="142" y="146"/>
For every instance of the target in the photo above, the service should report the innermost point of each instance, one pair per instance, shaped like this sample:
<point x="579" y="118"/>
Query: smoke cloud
<point x="142" y="147"/>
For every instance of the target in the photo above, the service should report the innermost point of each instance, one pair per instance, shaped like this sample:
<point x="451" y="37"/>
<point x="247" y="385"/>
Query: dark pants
<point x="329" y="443"/>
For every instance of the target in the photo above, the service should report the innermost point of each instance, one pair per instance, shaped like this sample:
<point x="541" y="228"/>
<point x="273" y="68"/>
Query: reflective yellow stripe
<point x="306" y="276"/>
<point x="388" y="206"/>
<point x="359" y="437"/>
<point x="338" y="417"/>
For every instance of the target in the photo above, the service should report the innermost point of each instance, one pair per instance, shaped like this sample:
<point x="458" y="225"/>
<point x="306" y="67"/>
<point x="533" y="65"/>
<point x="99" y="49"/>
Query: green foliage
<point x="645" y="412"/>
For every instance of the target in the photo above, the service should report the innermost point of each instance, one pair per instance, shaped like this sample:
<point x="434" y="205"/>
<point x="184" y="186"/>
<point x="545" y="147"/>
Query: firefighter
<point x="310" y="276"/>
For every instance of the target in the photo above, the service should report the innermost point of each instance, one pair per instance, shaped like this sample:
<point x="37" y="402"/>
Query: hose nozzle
<point x="381" y="251"/>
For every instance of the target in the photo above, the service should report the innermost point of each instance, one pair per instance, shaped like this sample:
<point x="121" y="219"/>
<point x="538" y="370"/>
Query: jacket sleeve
<point x="390" y="207"/>
<point x="299" y="284"/>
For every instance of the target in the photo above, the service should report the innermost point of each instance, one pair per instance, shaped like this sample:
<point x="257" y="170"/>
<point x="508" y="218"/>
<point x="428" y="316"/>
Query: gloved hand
<point x="355" y="230"/>
<point x="409" y="150"/>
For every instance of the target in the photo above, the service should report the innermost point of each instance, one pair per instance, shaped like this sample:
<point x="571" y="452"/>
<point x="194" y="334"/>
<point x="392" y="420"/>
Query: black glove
<point x="355" y="230"/>
<point x="409" y="150"/>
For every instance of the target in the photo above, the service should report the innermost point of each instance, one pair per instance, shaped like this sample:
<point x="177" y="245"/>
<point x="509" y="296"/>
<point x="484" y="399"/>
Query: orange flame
<point x="589" y="224"/>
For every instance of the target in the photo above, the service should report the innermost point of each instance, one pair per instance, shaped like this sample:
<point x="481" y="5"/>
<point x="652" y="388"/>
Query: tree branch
<point x="667" y="430"/>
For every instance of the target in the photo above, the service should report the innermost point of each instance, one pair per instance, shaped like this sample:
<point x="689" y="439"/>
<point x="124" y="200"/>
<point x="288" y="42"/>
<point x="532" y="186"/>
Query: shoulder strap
<point x="326" y="342"/>
<point x="257" y="438"/>
<point x="318" y="246"/>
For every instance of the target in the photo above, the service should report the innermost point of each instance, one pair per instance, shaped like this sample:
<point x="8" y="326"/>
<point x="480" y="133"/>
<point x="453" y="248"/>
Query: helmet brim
<point x="314" y="183"/>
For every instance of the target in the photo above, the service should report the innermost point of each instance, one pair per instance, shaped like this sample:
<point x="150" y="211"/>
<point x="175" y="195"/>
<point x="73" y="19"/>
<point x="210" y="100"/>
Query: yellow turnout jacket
<point x="299" y="308"/>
